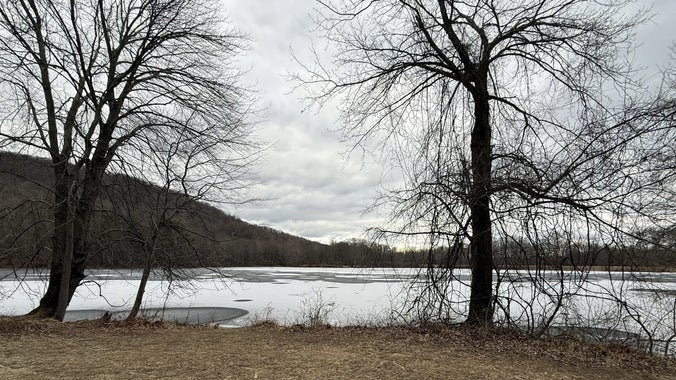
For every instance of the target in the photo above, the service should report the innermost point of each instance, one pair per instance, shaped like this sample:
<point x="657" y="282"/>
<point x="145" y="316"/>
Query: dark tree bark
<point x="481" y="246"/>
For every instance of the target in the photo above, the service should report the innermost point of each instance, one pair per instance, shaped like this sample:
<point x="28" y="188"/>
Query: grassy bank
<point x="92" y="350"/>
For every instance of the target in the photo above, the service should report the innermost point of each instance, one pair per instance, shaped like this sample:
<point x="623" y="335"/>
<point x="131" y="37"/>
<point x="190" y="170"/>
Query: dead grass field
<point x="92" y="350"/>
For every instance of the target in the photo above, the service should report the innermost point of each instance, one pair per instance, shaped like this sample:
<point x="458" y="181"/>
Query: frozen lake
<point x="283" y="294"/>
<point x="643" y="303"/>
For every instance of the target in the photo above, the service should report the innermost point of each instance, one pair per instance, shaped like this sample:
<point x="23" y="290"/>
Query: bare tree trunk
<point x="140" y="292"/>
<point x="144" y="277"/>
<point x="71" y="219"/>
<point x="64" y="294"/>
<point x="62" y="242"/>
<point x="91" y="189"/>
<point x="480" y="304"/>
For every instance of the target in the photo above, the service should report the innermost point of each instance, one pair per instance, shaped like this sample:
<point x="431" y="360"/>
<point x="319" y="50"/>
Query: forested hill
<point x="126" y="219"/>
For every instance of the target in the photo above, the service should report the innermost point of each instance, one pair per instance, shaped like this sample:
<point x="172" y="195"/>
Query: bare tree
<point x="87" y="83"/>
<point x="516" y="120"/>
<point x="172" y="219"/>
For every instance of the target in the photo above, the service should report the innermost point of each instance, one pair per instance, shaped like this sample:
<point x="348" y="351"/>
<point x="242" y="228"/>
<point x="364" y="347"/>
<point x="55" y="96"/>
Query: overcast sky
<point x="314" y="189"/>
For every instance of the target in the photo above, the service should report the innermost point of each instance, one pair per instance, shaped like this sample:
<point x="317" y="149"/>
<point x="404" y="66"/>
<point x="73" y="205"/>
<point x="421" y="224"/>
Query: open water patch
<point x="190" y="315"/>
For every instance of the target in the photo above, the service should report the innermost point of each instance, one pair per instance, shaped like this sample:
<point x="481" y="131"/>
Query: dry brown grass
<point x="90" y="350"/>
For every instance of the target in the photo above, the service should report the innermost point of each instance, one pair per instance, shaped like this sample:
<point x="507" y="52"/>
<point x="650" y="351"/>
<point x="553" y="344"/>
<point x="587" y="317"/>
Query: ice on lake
<point x="237" y="296"/>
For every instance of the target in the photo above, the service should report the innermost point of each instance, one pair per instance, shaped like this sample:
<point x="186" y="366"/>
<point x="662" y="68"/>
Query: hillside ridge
<point x="200" y="234"/>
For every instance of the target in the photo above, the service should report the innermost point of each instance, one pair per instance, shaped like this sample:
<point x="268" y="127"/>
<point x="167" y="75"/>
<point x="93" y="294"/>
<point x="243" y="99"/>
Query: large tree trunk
<point x="63" y="298"/>
<point x="481" y="246"/>
<point x="71" y="221"/>
<point x="62" y="243"/>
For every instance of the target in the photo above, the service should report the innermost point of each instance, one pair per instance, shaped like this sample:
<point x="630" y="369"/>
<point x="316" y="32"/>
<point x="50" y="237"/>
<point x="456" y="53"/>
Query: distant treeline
<point x="200" y="235"/>
<point x="549" y="256"/>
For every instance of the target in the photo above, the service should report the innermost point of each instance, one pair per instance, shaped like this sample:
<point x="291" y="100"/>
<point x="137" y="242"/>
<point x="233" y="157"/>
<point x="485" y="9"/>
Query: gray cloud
<point x="314" y="190"/>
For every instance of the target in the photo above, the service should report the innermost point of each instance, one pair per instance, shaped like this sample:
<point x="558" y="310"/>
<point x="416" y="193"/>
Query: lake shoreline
<point x="376" y="297"/>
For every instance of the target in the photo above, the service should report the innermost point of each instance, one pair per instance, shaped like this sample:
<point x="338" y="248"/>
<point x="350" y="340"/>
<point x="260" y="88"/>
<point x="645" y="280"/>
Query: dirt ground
<point x="94" y="350"/>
